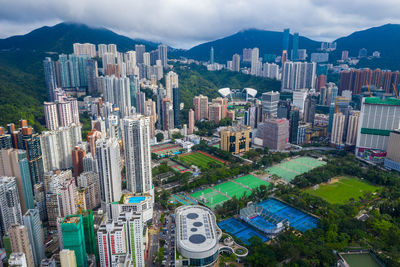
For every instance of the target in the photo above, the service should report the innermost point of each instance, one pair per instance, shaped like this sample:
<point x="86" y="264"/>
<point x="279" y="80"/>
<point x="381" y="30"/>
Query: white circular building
<point x="197" y="238"/>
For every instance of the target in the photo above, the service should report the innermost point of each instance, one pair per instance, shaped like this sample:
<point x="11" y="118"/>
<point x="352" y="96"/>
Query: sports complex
<point x="266" y="220"/>
<point x="220" y="193"/>
<point x="288" y="170"/>
<point x="162" y="150"/>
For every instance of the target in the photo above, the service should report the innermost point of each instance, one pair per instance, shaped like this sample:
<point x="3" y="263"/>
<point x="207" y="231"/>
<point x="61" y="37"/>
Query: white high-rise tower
<point x="109" y="166"/>
<point x="138" y="154"/>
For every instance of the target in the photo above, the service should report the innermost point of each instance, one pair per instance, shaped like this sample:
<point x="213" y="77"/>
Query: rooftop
<point x="72" y="219"/>
<point x="378" y="101"/>
<point x="196" y="228"/>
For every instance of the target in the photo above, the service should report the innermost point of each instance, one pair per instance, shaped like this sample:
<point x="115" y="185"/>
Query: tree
<point x="159" y="137"/>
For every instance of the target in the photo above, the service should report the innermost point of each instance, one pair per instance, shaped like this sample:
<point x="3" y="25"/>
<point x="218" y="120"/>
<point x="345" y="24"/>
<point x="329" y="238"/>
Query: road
<point x="154" y="235"/>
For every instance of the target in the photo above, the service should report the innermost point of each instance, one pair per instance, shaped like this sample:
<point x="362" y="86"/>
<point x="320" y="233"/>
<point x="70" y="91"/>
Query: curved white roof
<point x="224" y="91"/>
<point x="251" y="91"/>
<point x="196" y="231"/>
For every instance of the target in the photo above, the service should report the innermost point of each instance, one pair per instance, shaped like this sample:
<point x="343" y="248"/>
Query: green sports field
<point x="197" y="159"/>
<point x="213" y="197"/>
<point x="231" y="189"/>
<point x="250" y="181"/>
<point x="288" y="170"/>
<point x="341" y="191"/>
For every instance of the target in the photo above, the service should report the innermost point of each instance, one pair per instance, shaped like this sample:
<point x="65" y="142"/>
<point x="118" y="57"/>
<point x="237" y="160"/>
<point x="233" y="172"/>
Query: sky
<point x="185" y="23"/>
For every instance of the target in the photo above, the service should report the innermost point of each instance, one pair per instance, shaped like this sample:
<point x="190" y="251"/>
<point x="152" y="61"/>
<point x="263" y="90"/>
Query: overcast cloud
<point x="184" y="23"/>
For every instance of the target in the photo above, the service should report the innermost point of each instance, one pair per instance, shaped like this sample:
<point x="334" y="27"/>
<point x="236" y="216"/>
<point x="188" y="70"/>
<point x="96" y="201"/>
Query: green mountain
<point x="59" y="38"/>
<point x="269" y="42"/>
<point x="384" y="39"/>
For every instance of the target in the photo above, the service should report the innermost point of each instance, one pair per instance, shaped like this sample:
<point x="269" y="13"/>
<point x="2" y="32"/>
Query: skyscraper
<point x="166" y="115"/>
<point x="50" y="78"/>
<point x="285" y="39"/>
<point x="236" y="62"/>
<point x="338" y="129"/>
<point x="140" y="49"/>
<point x="276" y="133"/>
<point x="10" y="211"/>
<point x="74" y="238"/>
<point x="138" y="154"/>
<point x="35" y="233"/>
<point x="109" y="162"/>
<point x="163" y="55"/>
<point x="122" y="237"/>
<point x="298" y="75"/>
<point x="57" y="147"/>
<point x="255" y="54"/>
<point x="295" y="46"/>
<point x="270" y="104"/>
<point x="14" y="163"/>
<point x="212" y="55"/>
<point x="352" y="129"/>
<point x="20" y="242"/>
<point x="176" y="107"/>
<point x="191" y="121"/>
<point x="171" y="81"/>
<point x="294" y="124"/>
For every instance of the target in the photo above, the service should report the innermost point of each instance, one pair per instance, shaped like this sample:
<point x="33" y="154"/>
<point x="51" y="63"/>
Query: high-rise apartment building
<point x="236" y="62"/>
<point x="247" y="54"/>
<point x="271" y="71"/>
<point x="109" y="166"/>
<point x="191" y="121"/>
<point x="89" y="182"/>
<point x="299" y="99"/>
<point x="138" y="154"/>
<point x="78" y="153"/>
<point x="50" y="78"/>
<point x="294" y="119"/>
<point x="57" y="147"/>
<point x="200" y="107"/>
<point x="163" y="55"/>
<point x="14" y="163"/>
<point x="84" y="49"/>
<point x="10" y="210"/>
<point x="298" y="75"/>
<point x="119" y="238"/>
<point x="255" y="66"/>
<point x="338" y="129"/>
<point x="171" y="81"/>
<point x="276" y="134"/>
<point x="19" y="240"/>
<point x="352" y="129"/>
<point x="176" y="106"/>
<point x="215" y="112"/>
<point x="33" y="225"/>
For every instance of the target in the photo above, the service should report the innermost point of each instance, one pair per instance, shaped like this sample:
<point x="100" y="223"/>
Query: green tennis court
<point x="251" y="181"/>
<point x="213" y="197"/>
<point x="231" y="189"/>
<point x="288" y="170"/>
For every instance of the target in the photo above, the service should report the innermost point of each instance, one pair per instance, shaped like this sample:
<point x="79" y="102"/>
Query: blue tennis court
<point x="297" y="219"/>
<point x="240" y="230"/>
<point x="232" y="226"/>
<point x="245" y="236"/>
